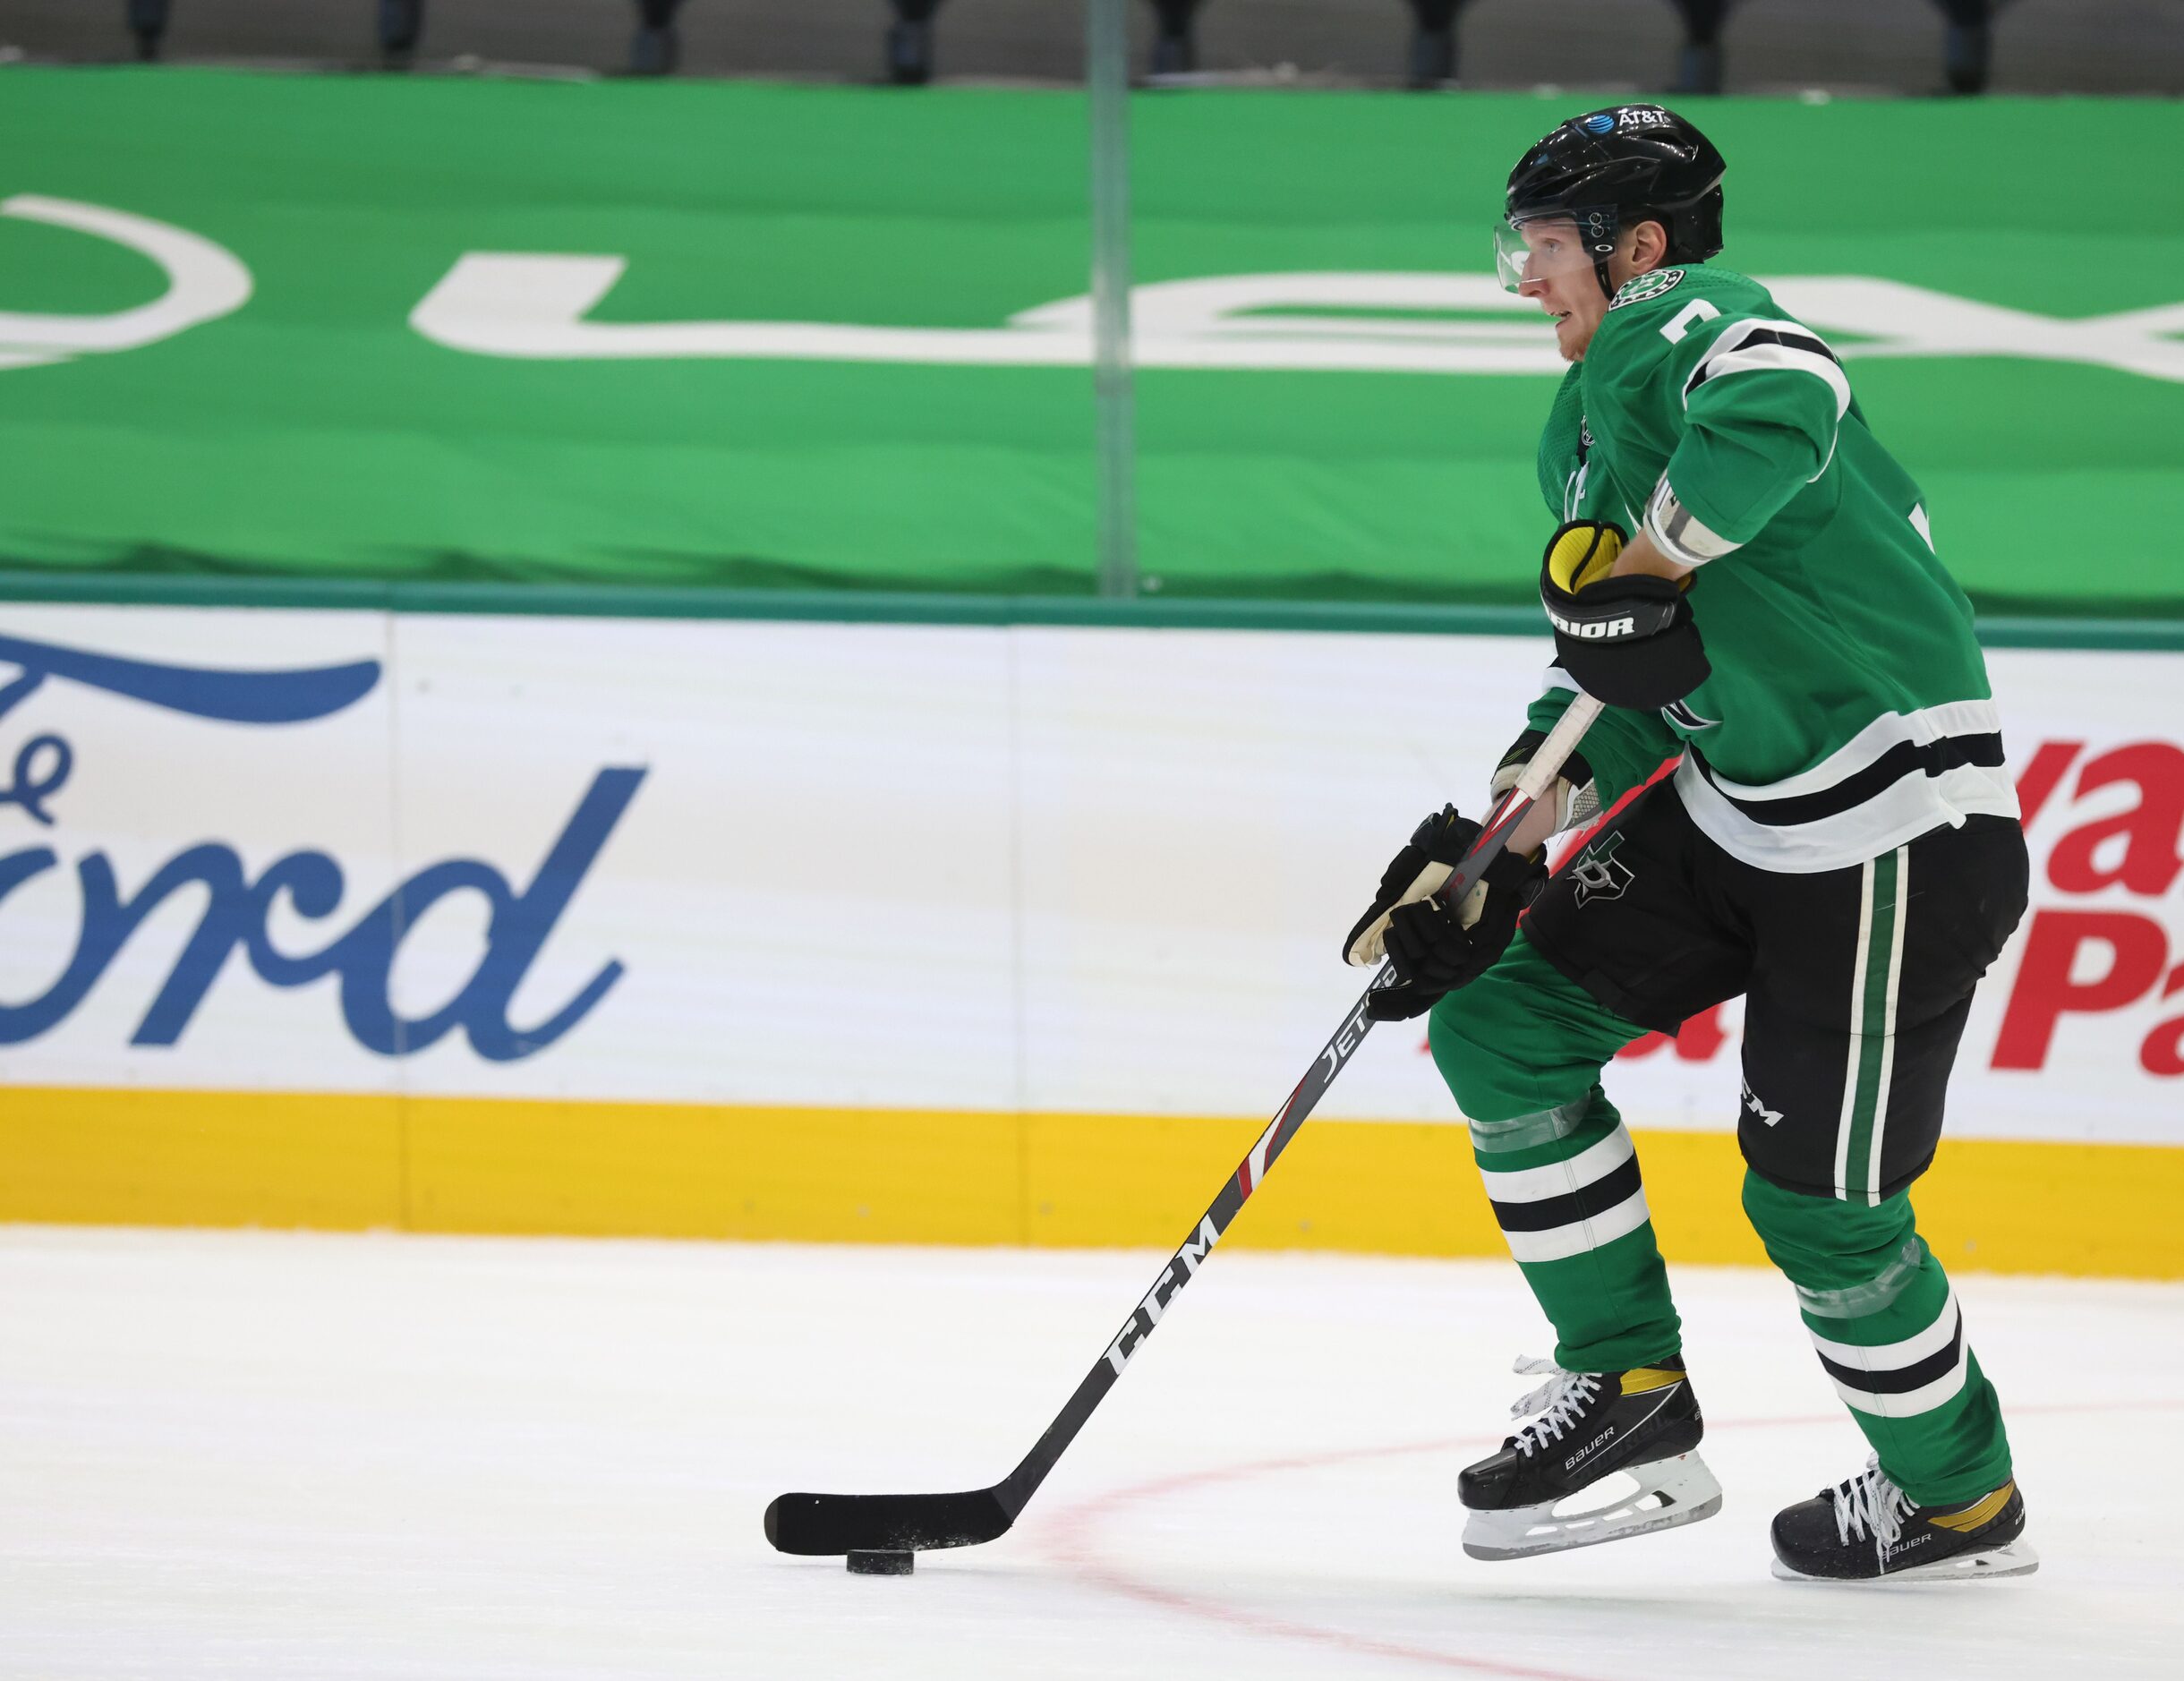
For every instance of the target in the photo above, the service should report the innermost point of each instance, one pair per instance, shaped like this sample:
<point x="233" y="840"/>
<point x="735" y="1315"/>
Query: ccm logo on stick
<point x="1195" y="1250"/>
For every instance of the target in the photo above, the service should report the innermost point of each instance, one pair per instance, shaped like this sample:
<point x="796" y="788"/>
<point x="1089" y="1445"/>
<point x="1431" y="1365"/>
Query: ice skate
<point x="1867" y="1530"/>
<point x="1610" y="1454"/>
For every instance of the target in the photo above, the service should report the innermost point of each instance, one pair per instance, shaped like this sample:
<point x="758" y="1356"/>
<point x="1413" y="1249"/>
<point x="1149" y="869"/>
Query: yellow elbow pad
<point x="1584" y="552"/>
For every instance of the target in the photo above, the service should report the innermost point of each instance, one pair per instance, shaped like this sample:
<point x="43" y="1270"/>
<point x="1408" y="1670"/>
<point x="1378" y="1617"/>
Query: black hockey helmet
<point x="1613" y="168"/>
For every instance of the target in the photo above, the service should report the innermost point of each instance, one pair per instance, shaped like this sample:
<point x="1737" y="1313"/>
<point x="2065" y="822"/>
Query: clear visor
<point x="1538" y="248"/>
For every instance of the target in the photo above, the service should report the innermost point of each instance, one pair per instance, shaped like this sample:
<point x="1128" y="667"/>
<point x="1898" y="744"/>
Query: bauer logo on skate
<point x="243" y="909"/>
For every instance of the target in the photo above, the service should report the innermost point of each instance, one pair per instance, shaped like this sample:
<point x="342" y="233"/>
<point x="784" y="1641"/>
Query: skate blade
<point x="2017" y="1559"/>
<point x="1665" y="1495"/>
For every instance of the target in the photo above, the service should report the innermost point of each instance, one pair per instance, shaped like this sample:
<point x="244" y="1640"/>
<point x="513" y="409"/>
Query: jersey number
<point x="1698" y="309"/>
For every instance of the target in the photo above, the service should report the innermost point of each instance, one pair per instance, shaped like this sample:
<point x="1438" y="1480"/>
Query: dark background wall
<point x="2040" y="46"/>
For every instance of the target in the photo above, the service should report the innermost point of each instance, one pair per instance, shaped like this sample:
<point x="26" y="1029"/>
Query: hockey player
<point x="1748" y="580"/>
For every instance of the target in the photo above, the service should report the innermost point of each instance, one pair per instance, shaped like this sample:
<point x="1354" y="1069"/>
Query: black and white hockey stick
<point x="829" y="1523"/>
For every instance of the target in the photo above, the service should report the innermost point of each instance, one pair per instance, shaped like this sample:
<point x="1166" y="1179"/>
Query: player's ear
<point x="1648" y="246"/>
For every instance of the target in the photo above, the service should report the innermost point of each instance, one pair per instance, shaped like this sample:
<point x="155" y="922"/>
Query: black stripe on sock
<point x="1596" y="1197"/>
<point x="1904" y="1378"/>
<point x="1906" y="758"/>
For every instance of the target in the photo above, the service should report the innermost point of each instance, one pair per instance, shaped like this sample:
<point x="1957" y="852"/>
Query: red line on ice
<point x="1075" y="1544"/>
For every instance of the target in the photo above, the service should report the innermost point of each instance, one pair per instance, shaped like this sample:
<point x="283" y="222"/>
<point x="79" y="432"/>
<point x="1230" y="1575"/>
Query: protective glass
<point x="1538" y="248"/>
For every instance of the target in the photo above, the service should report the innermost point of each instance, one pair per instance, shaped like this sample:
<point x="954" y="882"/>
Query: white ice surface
<point x="258" y="1455"/>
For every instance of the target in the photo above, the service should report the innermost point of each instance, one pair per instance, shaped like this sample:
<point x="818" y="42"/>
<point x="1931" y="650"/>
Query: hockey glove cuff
<point x="1629" y="641"/>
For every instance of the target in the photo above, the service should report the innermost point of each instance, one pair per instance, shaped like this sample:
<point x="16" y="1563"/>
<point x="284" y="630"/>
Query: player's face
<point x="1546" y="261"/>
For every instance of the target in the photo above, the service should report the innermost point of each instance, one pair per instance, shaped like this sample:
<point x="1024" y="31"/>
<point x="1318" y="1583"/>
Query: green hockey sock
<point x="1567" y="1193"/>
<point x="1522" y="1049"/>
<point x="1885" y="1322"/>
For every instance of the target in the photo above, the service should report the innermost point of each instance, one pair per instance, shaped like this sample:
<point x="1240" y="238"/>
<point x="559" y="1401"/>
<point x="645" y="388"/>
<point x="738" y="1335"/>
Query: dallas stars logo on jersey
<point x="1598" y="872"/>
<point x="1639" y="288"/>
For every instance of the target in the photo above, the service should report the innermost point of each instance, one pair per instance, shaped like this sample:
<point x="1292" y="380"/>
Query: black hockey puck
<point x="864" y="1564"/>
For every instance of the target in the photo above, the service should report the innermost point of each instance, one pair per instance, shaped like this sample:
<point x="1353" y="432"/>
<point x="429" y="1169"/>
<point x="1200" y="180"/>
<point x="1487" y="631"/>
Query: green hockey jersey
<point x="1848" y="710"/>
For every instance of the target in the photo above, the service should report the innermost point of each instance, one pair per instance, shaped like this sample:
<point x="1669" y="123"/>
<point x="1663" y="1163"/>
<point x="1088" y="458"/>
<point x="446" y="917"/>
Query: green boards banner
<point x="748" y="335"/>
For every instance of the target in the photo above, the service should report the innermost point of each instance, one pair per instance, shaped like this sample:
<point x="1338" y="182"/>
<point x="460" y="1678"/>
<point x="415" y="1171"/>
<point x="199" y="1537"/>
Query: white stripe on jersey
<point x="1733" y="353"/>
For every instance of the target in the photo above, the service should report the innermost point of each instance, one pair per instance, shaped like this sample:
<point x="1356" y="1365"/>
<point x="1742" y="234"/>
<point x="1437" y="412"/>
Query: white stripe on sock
<point x="1895" y="1356"/>
<point x="1912" y="1402"/>
<point x="1559" y="1179"/>
<point x="1562" y="1242"/>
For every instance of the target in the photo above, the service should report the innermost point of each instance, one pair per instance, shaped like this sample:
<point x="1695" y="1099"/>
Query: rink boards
<point x="891" y="932"/>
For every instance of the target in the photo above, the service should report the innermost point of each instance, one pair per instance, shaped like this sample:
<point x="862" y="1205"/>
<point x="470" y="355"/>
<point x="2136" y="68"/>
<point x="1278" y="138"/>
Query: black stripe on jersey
<point x="1904" y="1378"/>
<point x="1906" y="758"/>
<point x="1596" y="1197"/>
<point x="1792" y="340"/>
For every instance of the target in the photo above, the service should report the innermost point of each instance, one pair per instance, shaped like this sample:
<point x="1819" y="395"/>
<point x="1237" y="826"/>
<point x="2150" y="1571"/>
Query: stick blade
<point x="817" y="1525"/>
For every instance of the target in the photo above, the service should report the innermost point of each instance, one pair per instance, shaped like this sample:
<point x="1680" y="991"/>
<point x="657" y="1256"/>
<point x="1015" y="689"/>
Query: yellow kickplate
<point x="677" y="1169"/>
<point x="942" y="1176"/>
<point x="1973" y="1516"/>
<point x="200" y="1158"/>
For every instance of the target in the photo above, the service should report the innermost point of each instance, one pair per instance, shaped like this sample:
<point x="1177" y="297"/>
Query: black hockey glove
<point x="1628" y="641"/>
<point x="1435" y="951"/>
<point x="1436" y="947"/>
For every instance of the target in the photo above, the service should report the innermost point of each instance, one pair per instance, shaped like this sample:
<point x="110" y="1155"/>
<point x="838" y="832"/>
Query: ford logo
<point x="239" y="909"/>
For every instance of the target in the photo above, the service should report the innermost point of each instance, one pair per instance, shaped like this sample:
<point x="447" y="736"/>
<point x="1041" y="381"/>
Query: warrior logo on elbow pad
<point x="1629" y="640"/>
<point x="1593" y="629"/>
